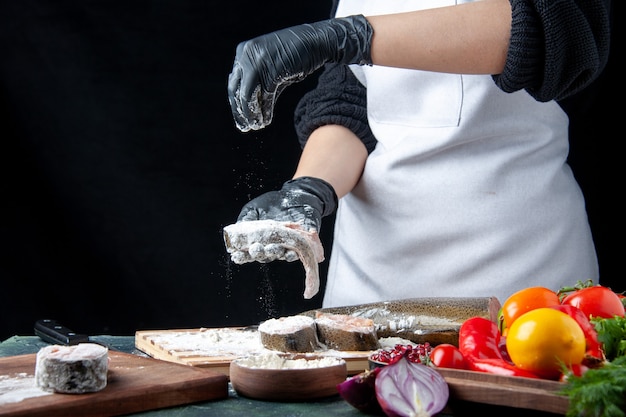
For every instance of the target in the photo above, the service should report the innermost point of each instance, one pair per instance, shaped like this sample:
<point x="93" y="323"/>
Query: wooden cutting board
<point x="184" y="348"/>
<point x="134" y="384"/>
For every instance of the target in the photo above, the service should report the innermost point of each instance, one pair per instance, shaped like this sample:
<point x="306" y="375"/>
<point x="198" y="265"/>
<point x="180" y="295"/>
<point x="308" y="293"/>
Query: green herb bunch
<point x="601" y="392"/>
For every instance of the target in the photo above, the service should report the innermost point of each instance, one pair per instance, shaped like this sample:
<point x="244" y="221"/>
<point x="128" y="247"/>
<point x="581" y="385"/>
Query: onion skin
<point x="359" y="392"/>
<point x="408" y="389"/>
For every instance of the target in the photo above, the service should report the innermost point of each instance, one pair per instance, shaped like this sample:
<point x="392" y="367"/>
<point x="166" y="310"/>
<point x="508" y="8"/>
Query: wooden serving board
<point x="134" y="384"/>
<point x="517" y="392"/>
<point x="152" y="343"/>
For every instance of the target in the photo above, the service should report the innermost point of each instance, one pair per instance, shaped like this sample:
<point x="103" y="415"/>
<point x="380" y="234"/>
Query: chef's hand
<point x="265" y="65"/>
<point x="304" y="200"/>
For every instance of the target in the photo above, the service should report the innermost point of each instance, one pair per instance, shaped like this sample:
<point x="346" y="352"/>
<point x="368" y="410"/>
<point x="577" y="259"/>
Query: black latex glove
<point x="265" y="65"/>
<point x="303" y="200"/>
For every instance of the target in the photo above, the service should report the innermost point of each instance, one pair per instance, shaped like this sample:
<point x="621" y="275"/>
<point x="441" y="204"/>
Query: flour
<point x="18" y="387"/>
<point x="212" y="342"/>
<point x="286" y="325"/>
<point x="276" y="361"/>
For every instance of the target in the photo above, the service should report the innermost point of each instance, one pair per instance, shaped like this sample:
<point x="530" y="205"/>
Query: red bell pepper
<point x="499" y="367"/>
<point x="594" y="352"/>
<point x="479" y="341"/>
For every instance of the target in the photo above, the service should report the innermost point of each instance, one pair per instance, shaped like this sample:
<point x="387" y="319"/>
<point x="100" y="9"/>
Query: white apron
<point x="467" y="193"/>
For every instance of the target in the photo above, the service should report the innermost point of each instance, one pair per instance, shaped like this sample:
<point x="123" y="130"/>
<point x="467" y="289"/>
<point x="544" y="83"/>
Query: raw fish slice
<point x="269" y="240"/>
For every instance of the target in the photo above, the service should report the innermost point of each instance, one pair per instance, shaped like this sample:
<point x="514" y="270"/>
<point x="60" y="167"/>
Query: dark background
<point x="120" y="165"/>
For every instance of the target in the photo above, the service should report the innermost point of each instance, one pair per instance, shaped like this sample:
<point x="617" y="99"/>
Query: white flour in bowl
<point x="275" y="361"/>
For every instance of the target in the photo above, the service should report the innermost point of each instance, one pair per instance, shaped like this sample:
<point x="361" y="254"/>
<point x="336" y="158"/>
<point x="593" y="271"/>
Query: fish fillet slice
<point x="268" y="240"/>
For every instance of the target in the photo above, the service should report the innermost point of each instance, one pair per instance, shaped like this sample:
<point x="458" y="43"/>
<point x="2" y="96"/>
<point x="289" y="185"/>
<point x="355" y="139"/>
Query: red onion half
<point x="360" y="393"/>
<point x="409" y="389"/>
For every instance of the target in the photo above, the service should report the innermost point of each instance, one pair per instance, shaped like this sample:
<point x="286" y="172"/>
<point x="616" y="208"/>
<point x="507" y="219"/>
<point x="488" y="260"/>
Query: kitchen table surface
<point x="237" y="406"/>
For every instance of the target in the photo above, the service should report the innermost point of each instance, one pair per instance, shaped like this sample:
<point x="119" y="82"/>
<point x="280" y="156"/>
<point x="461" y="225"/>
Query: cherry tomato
<point x="525" y="300"/>
<point x="596" y="301"/>
<point x="446" y="355"/>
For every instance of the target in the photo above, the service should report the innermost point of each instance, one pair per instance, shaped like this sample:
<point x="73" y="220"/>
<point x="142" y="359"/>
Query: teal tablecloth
<point x="236" y="406"/>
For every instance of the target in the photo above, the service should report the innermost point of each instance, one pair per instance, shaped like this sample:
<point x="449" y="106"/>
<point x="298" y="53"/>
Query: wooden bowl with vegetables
<point x="284" y="377"/>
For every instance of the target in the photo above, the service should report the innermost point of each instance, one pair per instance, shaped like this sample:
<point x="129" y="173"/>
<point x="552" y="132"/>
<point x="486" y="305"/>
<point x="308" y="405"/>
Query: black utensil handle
<point x="53" y="332"/>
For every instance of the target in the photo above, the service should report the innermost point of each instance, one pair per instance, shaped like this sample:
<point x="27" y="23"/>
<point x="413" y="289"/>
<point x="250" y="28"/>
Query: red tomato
<point x="596" y="301"/>
<point x="446" y="355"/>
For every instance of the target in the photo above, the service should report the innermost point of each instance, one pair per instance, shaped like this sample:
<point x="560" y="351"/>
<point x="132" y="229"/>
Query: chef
<point x="437" y="136"/>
